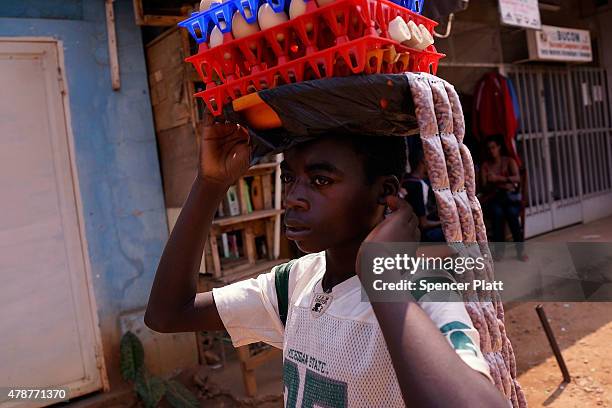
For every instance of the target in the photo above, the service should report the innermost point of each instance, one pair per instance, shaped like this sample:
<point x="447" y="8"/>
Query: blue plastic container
<point x="200" y="24"/>
<point x="413" y="5"/>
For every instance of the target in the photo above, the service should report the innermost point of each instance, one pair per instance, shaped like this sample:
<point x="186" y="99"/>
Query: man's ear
<point x="390" y="185"/>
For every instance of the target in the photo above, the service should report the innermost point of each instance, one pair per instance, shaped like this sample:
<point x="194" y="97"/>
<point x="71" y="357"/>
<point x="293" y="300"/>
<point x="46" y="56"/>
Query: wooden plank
<point x="112" y="45"/>
<point x="263" y="166"/>
<point x="161" y="21"/>
<point x="185" y="36"/>
<point x="267" y="191"/>
<point x="247" y="271"/>
<point x="270" y="224"/>
<point x="138" y="12"/>
<point x="249" y="245"/>
<point x="153" y="20"/>
<point x="255" y="215"/>
<point x="179" y="163"/>
<point x="277" y="204"/>
<point x="170" y="94"/>
<point x="248" y="375"/>
<point x="258" y="359"/>
<point x="261" y="169"/>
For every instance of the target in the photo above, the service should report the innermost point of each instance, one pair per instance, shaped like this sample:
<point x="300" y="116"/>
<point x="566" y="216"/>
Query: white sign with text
<point x="521" y="13"/>
<point x="560" y="44"/>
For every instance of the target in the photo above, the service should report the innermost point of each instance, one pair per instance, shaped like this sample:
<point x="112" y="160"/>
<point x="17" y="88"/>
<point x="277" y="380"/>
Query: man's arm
<point x="429" y="371"/>
<point x="174" y="304"/>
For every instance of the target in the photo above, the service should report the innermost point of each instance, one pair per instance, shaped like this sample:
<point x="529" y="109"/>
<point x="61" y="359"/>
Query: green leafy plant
<point x="149" y="388"/>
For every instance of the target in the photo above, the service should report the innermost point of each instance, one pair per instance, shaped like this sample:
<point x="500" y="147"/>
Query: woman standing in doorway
<point x="501" y="198"/>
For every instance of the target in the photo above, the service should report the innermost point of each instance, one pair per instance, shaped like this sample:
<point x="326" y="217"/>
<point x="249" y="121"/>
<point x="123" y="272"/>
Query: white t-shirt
<point x="336" y="357"/>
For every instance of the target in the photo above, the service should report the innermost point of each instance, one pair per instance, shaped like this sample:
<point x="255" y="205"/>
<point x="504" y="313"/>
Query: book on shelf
<point x="231" y="203"/>
<point x="225" y="245"/>
<point x="220" y="212"/>
<point x="233" y="246"/>
<point x="246" y="196"/>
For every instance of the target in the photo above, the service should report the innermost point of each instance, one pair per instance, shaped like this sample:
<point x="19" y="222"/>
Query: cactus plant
<point x="150" y="389"/>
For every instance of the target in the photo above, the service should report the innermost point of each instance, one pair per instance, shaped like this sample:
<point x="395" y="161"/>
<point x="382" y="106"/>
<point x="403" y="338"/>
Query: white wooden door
<point x="48" y="330"/>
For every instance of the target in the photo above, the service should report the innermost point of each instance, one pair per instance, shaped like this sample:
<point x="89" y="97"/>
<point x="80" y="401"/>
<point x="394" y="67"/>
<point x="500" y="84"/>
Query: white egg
<point x="322" y="3"/>
<point x="399" y="31"/>
<point x="206" y="4"/>
<point x="268" y="18"/>
<point x="415" y="35"/>
<point x="216" y="37"/>
<point x="427" y="38"/>
<point x="297" y="8"/>
<point x="240" y="27"/>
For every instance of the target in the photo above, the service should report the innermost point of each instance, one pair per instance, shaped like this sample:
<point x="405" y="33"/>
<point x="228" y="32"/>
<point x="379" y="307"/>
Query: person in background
<point x="501" y="196"/>
<point x="419" y="195"/>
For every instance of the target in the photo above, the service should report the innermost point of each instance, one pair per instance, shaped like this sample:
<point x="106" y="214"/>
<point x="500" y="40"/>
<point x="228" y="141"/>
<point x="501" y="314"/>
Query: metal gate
<point x="564" y="140"/>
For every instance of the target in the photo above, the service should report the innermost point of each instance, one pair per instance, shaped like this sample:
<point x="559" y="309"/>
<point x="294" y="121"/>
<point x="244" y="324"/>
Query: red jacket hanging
<point x="493" y="112"/>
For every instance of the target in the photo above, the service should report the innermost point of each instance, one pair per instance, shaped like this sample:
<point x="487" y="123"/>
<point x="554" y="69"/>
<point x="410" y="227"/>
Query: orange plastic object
<point x="258" y="114"/>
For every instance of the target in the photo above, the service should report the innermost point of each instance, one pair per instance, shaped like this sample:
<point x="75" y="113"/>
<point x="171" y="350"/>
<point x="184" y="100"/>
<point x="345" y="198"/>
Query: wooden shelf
<point x="239" y="273"/>
<point x="260" y="169"/>
<point x="263" y="166"/>
<point x="237" y="219"/>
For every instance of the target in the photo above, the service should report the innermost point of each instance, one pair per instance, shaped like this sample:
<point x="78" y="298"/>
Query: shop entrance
<point x="564" y="139"/>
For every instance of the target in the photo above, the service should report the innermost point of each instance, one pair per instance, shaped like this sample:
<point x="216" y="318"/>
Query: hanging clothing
<point x="494" y="113"/>
<point x="515" y="101"/>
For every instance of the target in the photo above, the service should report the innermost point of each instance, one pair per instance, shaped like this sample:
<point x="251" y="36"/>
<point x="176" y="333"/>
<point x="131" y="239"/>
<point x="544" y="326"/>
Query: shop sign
<point x="560" y="44"/>
<point x="520" y="13"/>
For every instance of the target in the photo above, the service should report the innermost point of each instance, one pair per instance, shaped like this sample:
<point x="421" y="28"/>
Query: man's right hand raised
<point x="224" y="153"/>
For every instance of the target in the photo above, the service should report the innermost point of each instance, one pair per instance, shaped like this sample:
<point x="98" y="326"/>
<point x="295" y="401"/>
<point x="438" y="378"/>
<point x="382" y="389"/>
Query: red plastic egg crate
<point x="346" y="37"/>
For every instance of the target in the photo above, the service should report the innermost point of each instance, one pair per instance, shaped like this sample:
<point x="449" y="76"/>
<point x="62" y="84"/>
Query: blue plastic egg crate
<point x="200" y="24"/>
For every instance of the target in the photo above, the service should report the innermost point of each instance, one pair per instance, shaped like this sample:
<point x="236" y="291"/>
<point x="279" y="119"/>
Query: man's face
<point x="327" y="200"/>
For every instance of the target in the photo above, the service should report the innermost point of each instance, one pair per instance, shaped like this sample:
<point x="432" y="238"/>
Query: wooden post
<point x="277" y="204"/>
<point x="249" y="244"/>
<point x="112" y="45"/>
<point x="270" y="237"/>
<point x="138" y="12"/>
<point x="248" y="373"/>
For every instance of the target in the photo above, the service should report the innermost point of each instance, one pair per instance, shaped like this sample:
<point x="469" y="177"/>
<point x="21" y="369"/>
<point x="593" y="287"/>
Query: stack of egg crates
<point x="245" y="46"/>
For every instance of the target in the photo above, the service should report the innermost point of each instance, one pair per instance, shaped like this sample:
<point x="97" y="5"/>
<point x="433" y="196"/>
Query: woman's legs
<point x="512" y="213"/>
<point x="432" y="235"/>
<point x="495" y="210"/>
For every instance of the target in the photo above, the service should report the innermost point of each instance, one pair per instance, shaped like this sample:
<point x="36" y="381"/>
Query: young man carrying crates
<point x="338" y="350"/>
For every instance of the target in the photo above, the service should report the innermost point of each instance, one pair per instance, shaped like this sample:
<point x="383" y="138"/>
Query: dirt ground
<point x="584" y="334"/>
